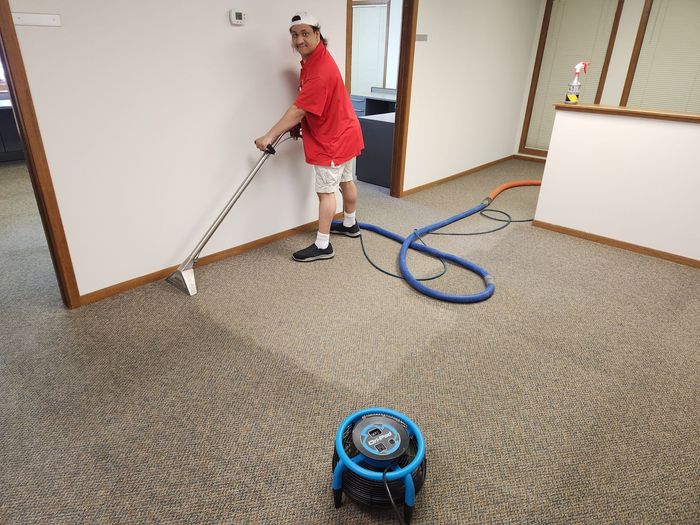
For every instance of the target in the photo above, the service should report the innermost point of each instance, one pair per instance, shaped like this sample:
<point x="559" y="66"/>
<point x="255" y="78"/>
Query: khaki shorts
<point x="328" y="178"/>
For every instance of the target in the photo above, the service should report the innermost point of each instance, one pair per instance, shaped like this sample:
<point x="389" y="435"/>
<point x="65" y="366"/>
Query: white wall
<point x="626" y="178"/>
<point x="148" y="112"/>
<point x="467" y="93"/>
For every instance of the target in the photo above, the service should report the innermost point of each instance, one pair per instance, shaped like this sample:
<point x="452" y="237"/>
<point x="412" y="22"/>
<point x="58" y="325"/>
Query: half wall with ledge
<point x="625" y="177"/>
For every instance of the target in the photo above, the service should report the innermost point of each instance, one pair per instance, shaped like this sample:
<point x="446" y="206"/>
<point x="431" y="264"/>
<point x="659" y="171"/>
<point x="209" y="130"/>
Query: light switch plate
<point x="36" y="19"/>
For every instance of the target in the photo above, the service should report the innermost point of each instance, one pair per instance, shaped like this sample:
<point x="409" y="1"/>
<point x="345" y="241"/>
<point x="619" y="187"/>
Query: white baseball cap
<point x="304" y="17"/>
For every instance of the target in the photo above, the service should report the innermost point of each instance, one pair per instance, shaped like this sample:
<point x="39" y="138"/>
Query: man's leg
<point x="349" y="192"/>
<point x="348" y="189"/>
<point x="326" y="211"/>
<point x="321" y="249"/>
<point x="326" y="182"/>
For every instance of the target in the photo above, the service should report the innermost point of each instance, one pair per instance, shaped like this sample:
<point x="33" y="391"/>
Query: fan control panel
<point x="380" y="437"/>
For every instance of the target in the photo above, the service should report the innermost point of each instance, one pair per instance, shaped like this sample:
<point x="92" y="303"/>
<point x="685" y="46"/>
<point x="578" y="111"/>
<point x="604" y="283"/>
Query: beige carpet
<point x="571" y="396"/>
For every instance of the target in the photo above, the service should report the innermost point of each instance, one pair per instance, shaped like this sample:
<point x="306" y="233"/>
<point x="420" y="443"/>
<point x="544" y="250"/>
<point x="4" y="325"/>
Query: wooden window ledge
<point x="629" y="112"/>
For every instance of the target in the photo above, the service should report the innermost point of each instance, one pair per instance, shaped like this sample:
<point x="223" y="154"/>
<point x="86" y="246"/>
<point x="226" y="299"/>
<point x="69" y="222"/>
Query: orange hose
<point x="513" y="184"/>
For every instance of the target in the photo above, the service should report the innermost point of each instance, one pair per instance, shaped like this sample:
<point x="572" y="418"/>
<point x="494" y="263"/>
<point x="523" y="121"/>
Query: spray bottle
<point x="574" y="90"/>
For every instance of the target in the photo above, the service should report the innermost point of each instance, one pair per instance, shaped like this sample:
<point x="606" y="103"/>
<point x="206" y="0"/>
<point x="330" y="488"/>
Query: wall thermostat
<point x="237" y="17"/>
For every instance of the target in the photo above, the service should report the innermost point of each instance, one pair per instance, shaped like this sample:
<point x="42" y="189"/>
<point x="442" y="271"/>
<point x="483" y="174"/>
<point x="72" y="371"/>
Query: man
<point x="331" y="134"/>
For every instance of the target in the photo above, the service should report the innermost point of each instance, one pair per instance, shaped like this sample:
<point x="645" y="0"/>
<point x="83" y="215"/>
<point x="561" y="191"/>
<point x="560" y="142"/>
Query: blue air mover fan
<point x="379" y="460"/>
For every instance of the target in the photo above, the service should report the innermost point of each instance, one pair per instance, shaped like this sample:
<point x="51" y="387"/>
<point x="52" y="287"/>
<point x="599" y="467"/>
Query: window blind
<point x="578" y="31"/>
<point x="667" y="77"/>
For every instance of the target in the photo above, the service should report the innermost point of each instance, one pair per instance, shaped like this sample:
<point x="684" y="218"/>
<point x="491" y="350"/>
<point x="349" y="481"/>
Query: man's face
<point x="304" y="39"/>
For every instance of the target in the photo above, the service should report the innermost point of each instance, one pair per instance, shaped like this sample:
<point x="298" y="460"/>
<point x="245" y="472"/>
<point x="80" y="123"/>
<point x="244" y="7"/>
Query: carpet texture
<point x="571" y="396"/>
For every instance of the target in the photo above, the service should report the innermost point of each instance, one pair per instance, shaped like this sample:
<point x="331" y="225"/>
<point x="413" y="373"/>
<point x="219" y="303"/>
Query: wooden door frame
<point x="409" y="18"/>
<point x="37" y="165"/>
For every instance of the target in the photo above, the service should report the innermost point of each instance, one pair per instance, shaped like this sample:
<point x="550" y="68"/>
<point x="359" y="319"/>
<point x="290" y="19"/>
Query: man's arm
<point x="291" y="118"/>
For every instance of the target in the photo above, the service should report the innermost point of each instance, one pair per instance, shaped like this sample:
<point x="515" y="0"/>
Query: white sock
<point x="322" y="240"/>
<point x="348" y="219"/>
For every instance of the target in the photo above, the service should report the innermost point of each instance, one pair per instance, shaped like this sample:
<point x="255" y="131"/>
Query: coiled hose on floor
<point x="410" y="242"/>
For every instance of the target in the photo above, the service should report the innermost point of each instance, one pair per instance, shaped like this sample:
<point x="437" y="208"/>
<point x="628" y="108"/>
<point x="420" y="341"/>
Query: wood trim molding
<point x="536" y="152"/>
<point x="630" y="112"/>
<point x="457" y="175"/>
<point x="531" y="159"/>
<point x="608" y="53"/>
<point x="104" y="293"/>
<point x="37" y="164"/>
<point x="409" y="19"/>
<point x="370" y="2"/>
<point x="535" y="75"/>
<point x="214" y="257"/>
<point x="641" y="31"/>
<point x="687" y="261"/>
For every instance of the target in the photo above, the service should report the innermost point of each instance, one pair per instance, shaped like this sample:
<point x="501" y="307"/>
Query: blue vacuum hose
<point x="410" y="242"/>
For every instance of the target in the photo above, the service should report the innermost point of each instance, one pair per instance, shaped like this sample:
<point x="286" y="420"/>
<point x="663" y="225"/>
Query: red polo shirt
<point x="330" y="129"/>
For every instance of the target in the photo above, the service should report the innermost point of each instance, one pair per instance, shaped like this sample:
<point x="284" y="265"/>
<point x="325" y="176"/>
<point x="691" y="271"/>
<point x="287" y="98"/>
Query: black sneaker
<point x="350" y="231"/>
<point x="313" y="253"/>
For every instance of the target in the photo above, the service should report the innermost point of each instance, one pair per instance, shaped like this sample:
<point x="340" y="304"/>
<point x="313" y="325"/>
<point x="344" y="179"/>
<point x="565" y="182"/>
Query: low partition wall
<point x="625" y="177"/>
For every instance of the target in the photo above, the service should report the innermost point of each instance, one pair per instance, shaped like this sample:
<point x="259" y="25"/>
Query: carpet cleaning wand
<point x="183" y="277"/>
<point x="573" y="93"/>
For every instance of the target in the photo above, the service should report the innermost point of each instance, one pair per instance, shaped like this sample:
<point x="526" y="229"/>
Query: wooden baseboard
<point x="214" y="257"/>
<point x="534" y="152"/>
<point x="686" y="261"/>
<point x="456" y="176"/>
<point x="541" y="160"/>
<point x="125" y="286"/>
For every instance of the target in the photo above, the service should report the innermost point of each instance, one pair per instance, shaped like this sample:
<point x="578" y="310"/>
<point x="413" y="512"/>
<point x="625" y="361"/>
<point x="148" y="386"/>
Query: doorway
<point x="28" y="275"/>
<point x="378" y="72"/>
<point x="37" y="165"/>
<point x="11" y="148"/>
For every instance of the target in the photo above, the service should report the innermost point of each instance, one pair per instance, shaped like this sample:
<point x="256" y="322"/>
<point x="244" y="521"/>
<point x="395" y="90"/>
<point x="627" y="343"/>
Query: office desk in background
<point x="374" y="103"/>
<point x="373" y="165"/>
<point x="10" y="143"/>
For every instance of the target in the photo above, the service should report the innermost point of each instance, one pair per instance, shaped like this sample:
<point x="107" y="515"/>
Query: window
<point x="369" y="45"/>
<point x="574" y="31"/>
<point x="666" y="76"/>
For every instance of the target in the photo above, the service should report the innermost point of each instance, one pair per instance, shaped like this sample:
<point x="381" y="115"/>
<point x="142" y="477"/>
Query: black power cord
<point x="386" y="272"/>
<point x="388" y="493"/>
